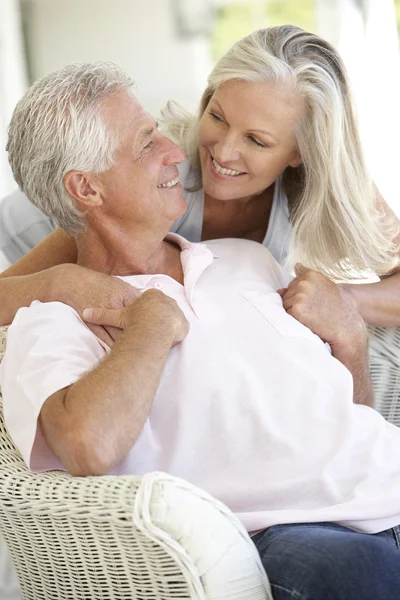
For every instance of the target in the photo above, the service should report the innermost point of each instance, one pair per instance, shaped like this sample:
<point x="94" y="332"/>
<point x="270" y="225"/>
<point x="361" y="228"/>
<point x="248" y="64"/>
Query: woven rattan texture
<point x="94" y="538"/>
<point x="384" y="355"/>
<point x="3" y="340"/>
<point x="82" y="530"/>
<point x="120" y="538"/>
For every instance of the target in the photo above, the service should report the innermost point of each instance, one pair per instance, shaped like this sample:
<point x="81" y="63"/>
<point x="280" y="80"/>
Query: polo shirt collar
<point x="195" y="259"/>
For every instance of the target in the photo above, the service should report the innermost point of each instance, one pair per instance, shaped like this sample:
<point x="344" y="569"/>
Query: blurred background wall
<point x="169" y="46"/>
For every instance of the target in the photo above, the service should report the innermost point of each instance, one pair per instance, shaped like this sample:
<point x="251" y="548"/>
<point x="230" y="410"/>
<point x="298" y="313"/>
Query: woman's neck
<point x="243" y="218"/>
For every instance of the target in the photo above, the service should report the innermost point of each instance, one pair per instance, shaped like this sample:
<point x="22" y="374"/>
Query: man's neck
<point x="117" y="252"/>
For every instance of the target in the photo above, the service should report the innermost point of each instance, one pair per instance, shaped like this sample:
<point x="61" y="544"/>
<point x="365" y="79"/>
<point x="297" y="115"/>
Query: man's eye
<point x="149" y="145"/>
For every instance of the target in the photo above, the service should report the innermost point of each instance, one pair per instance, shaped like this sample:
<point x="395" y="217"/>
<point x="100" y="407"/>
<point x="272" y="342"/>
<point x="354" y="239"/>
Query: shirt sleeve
<point x="48" y="348"/>
<point x="22" y="226"/>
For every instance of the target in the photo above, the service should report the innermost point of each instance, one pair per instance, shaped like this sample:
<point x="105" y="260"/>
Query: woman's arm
<point x="379" y="303"/>
<point x="331" y="313"/>
<point x="48" y="273"/>
<point x="36" y="275"/>
<point x="57" y="249"/>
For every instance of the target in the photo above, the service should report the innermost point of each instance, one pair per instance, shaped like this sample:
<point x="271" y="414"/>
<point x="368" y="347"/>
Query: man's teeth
<point x="223" y="171"/>
<point x="169" y="184"/>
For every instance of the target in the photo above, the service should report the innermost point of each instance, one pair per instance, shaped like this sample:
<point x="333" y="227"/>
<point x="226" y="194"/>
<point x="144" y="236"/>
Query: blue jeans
<point x="325" y="561"/>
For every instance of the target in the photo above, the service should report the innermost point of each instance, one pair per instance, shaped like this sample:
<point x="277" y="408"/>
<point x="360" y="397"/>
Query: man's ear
<point x="83" y="189"/>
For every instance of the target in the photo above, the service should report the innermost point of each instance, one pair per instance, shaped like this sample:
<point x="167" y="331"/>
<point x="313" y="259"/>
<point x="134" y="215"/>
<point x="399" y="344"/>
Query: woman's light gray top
<point x="22" y="225"/>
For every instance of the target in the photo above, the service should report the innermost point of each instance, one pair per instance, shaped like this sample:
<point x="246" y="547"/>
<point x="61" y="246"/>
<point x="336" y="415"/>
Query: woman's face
<point x="247" y="138"/>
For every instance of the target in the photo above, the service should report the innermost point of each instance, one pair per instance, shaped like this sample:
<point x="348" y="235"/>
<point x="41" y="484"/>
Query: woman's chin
<point x="221" y="190"/>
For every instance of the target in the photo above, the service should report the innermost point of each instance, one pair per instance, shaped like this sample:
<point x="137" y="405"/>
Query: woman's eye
<point x="214" y="116"/>
<point x="256" y="142"/>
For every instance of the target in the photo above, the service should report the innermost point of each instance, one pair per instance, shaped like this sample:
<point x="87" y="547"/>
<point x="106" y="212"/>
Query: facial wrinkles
<point x="144" y="143"/>
<point x="251" y="107"/>
<point x="243" y="129"/>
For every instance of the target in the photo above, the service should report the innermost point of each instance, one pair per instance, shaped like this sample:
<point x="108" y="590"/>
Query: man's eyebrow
<point x="145" y="133"/>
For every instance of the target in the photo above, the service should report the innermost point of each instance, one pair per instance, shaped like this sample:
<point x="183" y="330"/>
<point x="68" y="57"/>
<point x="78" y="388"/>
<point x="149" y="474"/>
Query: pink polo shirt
<point x="251" y="406"/>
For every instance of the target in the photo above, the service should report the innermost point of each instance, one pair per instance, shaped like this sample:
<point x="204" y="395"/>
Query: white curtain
<point x="365" y="33"/>
<point x="12" y="80"/>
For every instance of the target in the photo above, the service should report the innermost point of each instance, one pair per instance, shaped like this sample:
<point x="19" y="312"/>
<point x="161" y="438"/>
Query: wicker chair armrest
<point x="384" y="362"/>
<point x="162" y="528"/>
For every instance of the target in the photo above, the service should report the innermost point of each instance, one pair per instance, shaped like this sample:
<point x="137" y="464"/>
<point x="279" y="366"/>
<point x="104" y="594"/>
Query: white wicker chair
<point x="119" y="538"/>
<point x="384" y="361"/>
<point x="151" y="537"/>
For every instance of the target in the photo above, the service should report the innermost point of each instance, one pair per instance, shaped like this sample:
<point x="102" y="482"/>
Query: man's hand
<point x="328" y="309"/>
<point x="116" y="396"/>
<point x="80" y="287"/>
<point x="153" y="305"/>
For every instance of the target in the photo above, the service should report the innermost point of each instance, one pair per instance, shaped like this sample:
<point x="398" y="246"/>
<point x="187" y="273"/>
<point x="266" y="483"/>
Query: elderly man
<point x="211" y="380"/>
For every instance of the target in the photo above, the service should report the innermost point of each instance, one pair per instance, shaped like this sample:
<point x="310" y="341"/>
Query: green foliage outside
<point x="237" y="20"/>
<point x="397" y="6"/>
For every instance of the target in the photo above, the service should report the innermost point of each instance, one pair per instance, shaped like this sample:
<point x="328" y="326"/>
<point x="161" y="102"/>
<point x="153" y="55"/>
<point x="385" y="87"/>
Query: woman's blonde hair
<point x="338" y="228"/>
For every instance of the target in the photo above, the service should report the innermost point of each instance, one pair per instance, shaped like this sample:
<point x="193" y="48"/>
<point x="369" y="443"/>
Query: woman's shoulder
<point x="277" y="238"/>
<point x="190" y="224"/>
<point x="22" y="226"/>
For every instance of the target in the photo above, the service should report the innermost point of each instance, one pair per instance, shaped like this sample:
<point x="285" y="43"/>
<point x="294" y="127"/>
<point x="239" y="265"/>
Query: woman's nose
<point x="226" y="150"/>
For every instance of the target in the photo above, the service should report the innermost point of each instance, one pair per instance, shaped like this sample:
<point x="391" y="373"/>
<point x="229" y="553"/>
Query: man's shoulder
<point x="233" y="248"/>
<point x="44" y="323"/>
<point x="51" y="331"/>
<point x="48" y="312"/>
<point x="246" y="258"/>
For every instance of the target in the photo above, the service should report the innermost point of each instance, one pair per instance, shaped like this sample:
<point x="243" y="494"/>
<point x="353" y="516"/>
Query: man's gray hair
<point x="58" y="127"/>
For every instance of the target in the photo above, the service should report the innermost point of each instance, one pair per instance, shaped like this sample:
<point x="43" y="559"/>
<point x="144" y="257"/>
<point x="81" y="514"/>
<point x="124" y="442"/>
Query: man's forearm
<point x="97" y="420"/>
<point x="378" y="303"/>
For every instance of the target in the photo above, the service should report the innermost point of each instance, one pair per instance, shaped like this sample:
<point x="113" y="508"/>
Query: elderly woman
<point x="211" y="380"/>
<point x="273" y="156"/>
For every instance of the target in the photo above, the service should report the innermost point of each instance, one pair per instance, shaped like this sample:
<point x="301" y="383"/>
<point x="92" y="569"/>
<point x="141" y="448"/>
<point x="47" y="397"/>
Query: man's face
<point x="142" y="186"/>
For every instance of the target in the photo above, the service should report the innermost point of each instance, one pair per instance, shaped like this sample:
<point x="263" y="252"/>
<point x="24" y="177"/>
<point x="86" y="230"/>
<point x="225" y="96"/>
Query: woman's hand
<point x="328" y="309"/>
<point x="153" y="306"/>
<point x="82" y="288"/>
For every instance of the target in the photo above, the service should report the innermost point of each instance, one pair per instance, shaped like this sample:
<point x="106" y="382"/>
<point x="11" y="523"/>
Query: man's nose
<point x="173" y="155"/>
